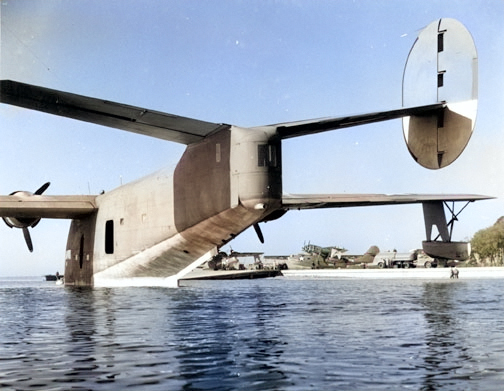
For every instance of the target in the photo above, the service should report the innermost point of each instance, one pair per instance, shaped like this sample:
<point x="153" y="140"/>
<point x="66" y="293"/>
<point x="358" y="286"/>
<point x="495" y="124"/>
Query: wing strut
<point x="434" y="215"/>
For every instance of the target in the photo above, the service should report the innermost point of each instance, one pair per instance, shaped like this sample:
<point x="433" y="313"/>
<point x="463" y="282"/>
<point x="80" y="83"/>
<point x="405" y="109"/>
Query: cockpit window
<point x="267" y="155"/>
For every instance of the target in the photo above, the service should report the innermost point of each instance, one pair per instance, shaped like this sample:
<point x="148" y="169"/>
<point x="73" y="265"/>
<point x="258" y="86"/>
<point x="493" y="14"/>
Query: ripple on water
<point x="255" y="335"/>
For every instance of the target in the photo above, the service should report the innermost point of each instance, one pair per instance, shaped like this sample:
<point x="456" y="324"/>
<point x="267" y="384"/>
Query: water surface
<point x="271" y="334"/>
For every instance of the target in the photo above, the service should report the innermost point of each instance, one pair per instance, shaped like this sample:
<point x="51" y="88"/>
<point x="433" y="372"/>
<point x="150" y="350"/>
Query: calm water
<point x="274" y="334"/>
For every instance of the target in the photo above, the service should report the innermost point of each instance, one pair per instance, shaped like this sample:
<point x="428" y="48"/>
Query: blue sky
<point x="245" y="63"/>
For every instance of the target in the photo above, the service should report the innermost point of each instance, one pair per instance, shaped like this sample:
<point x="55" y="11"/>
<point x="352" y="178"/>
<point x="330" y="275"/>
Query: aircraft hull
<point x="156" y="227"/>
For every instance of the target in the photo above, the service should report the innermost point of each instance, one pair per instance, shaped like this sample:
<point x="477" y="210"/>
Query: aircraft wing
<point x="55" y="207"/>
<point x="316" y="201"/>
<point x="102" y="112"/>
<point x="241" y="254"/>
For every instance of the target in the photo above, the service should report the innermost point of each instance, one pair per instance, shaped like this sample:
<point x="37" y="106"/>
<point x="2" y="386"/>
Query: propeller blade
<point x="28" y="240"/>
<point x="35" y="223"/>
<point x="259" y="232"/>
<point x="42" y="188"/>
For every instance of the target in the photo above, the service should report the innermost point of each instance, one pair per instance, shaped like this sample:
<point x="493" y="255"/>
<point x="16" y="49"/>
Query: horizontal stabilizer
<point x="316" y="201"/>
<point x="303" y="128"/>
<point x="102" y="112"/>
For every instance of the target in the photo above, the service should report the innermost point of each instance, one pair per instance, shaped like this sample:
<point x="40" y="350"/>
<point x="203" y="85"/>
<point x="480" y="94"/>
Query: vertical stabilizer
<point x="442" y="67"/>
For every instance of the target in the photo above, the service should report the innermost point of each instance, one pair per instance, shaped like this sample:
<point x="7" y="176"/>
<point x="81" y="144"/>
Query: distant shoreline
<point x="417" y="273"/>
<point x="442" y="273"/>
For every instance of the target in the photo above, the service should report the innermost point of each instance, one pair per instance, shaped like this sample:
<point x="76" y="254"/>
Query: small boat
<point x="53" y="277"/>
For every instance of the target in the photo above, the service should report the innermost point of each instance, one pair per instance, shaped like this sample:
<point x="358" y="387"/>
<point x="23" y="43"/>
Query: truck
<point x="393" y="259"/>
<point x="412" y="259"/>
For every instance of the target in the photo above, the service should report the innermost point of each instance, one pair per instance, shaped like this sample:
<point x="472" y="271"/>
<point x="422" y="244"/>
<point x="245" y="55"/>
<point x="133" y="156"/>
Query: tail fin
<point x="442" y="67"/>
<point x="369" y="256"/>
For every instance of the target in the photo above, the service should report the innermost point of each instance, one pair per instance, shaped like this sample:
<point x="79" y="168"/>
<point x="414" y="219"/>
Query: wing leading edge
<point x="53" y="207"/>
<point x="103" y="112"/>
<point x="317" y="201"/>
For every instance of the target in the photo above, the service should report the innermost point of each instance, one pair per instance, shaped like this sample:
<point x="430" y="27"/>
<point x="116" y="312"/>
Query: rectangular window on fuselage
<point x="266" y="155"/>
<point x="109" y="237"/>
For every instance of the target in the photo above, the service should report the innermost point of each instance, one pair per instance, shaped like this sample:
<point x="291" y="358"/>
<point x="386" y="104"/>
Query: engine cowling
<point x="21" y="222"/>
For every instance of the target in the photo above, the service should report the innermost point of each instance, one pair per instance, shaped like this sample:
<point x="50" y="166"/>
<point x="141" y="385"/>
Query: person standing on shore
<point x="454" y="272"/>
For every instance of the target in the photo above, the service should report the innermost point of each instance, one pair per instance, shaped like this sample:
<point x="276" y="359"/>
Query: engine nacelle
<point x="21" y="222"/>
<point x="442" y="67"/>
<point x="25" y="222"/>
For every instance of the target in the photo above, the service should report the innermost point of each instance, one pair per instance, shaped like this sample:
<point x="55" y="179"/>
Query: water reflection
<point x="445" y="341"/>
<point x="228" y="339"/>
<point x="80" y="344"/>
<point x="28" y="335"/>
<point x="255" y="335"/>
<point x="263" y="341"/>
<point x="112" y="333"/>
<point x="194" y="338"/>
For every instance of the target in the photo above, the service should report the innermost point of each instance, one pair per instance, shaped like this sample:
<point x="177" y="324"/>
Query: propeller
<point x="28" y="240"/>
<point x="259" y="232"/>
<point x="42" y="188"/>
<point x="25" y="222"/>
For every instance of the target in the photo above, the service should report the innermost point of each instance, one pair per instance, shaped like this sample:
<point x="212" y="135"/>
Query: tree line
<point x="488" y="245"/>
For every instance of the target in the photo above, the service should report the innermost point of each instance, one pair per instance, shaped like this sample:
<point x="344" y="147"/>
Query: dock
<point x="443" y="273"/>
<point x="208" y="274"/>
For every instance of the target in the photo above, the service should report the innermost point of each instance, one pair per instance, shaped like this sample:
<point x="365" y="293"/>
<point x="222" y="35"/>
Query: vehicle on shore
<point x="393" y="259"/>
<point x="412" y="259"/>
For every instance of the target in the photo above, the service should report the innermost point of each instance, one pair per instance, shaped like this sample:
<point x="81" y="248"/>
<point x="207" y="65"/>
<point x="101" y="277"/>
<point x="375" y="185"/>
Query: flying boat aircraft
<point x="230" y="261"/>
<point x="156" y="229"/>
<point x="318" y="257"/>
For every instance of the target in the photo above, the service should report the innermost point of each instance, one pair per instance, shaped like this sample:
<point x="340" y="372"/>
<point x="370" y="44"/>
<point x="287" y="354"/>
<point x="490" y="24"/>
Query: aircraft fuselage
<point x="156" y="226"/>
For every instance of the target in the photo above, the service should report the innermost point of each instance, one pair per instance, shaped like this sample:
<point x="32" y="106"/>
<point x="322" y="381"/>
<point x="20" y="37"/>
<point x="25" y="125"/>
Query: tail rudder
<point x="370" y="255"/>
<point x="442" y="67"/>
